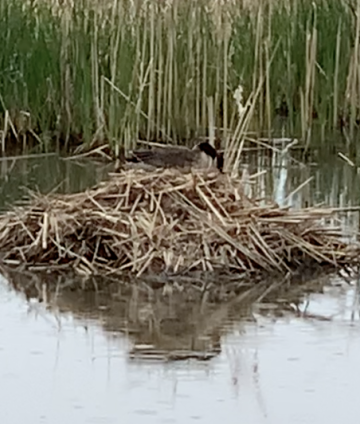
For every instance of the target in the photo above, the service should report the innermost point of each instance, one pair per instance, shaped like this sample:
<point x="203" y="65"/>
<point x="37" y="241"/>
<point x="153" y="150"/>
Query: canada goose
<point x="203" y="155"/>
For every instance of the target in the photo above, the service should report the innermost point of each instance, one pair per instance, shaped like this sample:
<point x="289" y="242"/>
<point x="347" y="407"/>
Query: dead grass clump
<point x="168" y="221"/>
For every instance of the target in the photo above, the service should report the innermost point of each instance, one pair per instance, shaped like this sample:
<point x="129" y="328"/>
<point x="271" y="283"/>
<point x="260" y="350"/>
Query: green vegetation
<point x="114" y="71"/>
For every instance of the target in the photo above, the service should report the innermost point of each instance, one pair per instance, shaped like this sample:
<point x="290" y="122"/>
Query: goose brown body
<point x="203" y="155"/>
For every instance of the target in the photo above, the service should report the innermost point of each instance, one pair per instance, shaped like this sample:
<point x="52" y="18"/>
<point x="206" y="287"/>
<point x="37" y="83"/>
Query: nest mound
<point x="143" y="222"/>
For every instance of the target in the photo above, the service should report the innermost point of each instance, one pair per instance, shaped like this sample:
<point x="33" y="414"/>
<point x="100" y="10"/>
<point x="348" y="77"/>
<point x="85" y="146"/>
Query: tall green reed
<point x="117" y="70"/>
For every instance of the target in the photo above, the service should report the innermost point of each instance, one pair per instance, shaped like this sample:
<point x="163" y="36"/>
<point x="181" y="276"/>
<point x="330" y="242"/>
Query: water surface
<point x="64" y="366"/>
<point x="81" y="356"/>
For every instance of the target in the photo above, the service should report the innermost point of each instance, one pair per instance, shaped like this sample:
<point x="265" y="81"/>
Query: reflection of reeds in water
<point x="327" y="181"/>
<point x="46" y="173"/>
<point x="179" y="324"/>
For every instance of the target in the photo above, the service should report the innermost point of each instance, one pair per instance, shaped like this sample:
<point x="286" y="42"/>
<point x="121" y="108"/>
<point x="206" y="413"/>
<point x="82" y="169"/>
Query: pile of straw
<point x="149" y="222"/>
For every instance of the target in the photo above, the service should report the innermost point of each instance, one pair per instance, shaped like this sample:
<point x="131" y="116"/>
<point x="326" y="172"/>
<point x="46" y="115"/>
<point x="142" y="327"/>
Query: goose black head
<point x="208" y="149"/>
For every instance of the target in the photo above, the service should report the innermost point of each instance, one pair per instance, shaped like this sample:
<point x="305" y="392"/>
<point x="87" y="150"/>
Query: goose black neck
<point x="220" y="161"/>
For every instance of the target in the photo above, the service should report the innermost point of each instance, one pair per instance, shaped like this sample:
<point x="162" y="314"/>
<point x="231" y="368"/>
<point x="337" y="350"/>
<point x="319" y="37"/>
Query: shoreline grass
<point x="87" y="73"/>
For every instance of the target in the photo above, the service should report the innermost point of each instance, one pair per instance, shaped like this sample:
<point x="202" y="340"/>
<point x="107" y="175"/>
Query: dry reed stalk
<point x="149" y="222"/>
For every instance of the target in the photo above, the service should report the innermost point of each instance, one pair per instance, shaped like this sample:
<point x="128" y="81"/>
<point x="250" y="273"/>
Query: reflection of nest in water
<point x="171" y="325"/>
<point x="148" y="222"/>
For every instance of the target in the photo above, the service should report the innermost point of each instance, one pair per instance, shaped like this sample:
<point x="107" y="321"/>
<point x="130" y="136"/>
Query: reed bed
<point x="112" y="71"/>
<point x="170" y="222"/>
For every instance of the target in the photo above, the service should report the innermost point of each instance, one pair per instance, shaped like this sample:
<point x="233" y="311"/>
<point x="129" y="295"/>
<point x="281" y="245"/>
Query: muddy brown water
<point x="128" y="355"/>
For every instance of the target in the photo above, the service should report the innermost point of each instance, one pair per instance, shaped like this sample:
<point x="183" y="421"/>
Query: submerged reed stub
<point x="148" y="222"/>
